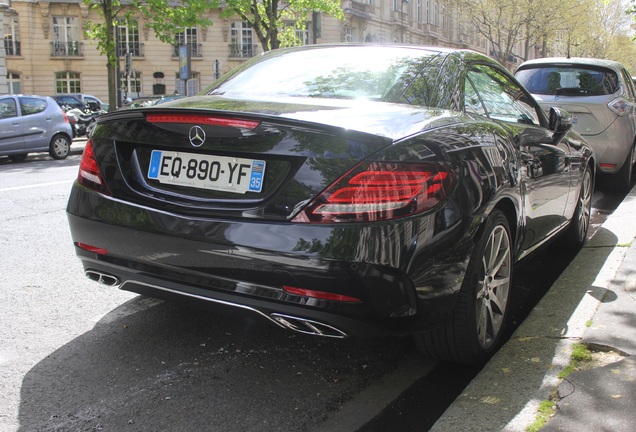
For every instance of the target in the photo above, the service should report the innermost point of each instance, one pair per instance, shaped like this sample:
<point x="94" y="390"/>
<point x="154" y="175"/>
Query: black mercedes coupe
<point x="338" y="190"/>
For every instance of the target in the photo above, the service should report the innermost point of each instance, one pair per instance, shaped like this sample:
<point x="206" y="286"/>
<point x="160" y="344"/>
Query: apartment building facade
<point x="47" y="51"/>
<point x="4" y="8"/>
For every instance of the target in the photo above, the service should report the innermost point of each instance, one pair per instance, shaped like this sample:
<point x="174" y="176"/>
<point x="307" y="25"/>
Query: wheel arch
<point x="511" y="212"/>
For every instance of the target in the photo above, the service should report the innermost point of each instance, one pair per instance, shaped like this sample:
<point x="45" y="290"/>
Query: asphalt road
<point x="75" y="355"/>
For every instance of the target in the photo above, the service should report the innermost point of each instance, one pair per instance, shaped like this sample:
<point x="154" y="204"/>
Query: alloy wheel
<point x="585" y="205"/>
<point x="493" y="290"/>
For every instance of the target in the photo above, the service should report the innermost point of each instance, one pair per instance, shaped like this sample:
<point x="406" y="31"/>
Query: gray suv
<point x="33" y="124"/>
<point x="601" y="97"/>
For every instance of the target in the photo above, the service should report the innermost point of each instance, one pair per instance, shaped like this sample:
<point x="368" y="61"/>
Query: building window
<point x="12" y="36"/>
<point x="65" y="37"/>
<point x="193" y="85"/>
<point x="67" y="82"/>
<point x="444" y="19"/>
<point x="187" y="36"/>
<point x="301" y="35"/>
<point x="428" y="11"/>
<point x="128" y="38"/>
<point x="241" y="40"/>
<point x="13" y="83"/>
<point x="348" y="34"/>
<point x="436" y="14"/>
<point x="419" y="11"/>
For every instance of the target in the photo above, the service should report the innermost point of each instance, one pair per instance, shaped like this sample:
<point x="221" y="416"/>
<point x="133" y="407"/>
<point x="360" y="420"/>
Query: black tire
<point x="621" y="181"/>
<point x="18" y="157"/>
<point x="576" y="235"/>
<point x="60" y="147"/>
<point x="473" y="333"/>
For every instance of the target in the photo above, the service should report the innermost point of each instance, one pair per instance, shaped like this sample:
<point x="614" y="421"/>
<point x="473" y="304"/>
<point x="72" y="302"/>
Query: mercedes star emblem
<point x="197" y="136"/>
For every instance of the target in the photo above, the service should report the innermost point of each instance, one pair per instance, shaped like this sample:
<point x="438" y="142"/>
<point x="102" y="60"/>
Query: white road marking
<point x="69" y="182"/>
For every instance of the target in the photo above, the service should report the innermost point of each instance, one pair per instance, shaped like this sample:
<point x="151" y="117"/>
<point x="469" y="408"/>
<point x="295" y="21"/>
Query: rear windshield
<point x="387" y="74"/>
<point x="569" y="80"/>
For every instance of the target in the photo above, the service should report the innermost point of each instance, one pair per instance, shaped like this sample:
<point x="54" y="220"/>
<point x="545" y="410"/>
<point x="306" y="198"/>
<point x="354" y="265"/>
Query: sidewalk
<point x="593" y="302"/>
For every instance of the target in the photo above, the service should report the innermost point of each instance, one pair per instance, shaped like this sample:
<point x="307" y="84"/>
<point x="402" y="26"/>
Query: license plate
<point x="228" y="174"/>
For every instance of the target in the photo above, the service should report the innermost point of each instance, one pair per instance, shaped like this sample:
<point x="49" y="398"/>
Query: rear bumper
<point x="613" y="145"/>
<point x="404" y="283"/>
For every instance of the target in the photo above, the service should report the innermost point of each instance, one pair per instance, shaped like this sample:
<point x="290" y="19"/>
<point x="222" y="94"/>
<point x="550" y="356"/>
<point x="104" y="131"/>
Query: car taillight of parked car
<point x="375" y="191"/>
<point x="620" y="107"/>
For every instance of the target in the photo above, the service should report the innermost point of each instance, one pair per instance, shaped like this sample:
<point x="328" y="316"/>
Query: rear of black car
<point x="328" y="189"/>
<point x="254" y="211"/>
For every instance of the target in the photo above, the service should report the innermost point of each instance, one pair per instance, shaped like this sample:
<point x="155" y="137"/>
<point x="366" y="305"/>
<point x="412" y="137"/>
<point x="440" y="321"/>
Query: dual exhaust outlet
<point x="297" y="324"/>
<point x="103" y="278"/>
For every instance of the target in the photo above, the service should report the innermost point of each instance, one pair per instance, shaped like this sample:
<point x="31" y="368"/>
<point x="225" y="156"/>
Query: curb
<point x="505" y="395"/>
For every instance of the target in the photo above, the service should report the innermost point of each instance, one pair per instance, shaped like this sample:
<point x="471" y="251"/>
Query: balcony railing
<point x="12" y="48"/>
<point x="67" y="49"/>
<point x="243" y="51"/>
<point x="195" y="50"/>
<point x="136" y="49"/>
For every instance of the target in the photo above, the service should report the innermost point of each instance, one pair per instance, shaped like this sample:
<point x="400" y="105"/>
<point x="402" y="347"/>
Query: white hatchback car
<point x="601" y="97"/>
<point x="31" y="124"/>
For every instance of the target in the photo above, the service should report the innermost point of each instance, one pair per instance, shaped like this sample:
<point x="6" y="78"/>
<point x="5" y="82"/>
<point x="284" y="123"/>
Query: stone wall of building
<point x="367" y="21"/>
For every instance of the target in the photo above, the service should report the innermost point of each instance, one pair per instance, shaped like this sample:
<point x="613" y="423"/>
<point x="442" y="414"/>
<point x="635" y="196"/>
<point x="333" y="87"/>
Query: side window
<point x="92" y="104"/>
<point x="8" y="108"/>
<point x="629" y="83"/>
<point x="31" y="106"/>
<point x="472" y="103"/>
<point x="91" y="100"/>
<point x="502" y="98"/>
<point x="70" y="102"/>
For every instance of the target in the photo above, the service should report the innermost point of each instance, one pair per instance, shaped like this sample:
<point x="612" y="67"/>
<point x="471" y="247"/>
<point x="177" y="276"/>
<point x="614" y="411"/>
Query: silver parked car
<point x="601" y="97"/>
<point x="33" y="124"/>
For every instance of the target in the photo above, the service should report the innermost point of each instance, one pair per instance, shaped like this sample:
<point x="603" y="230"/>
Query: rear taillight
<point x="65" y="117"/>
<point x="203" y="120"/>
<point x="620" y="107"/>
<point x="89" y="173"/>
<point x="380" y="191"/>
<point x="91" y="248"/>
<point x="323" y="295"/>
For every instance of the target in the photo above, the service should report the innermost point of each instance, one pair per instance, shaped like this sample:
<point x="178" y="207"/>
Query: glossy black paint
<point x="241" y="250"/>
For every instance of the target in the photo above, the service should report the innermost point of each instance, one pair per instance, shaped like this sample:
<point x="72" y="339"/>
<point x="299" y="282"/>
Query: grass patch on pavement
<point x="580" y="354"/>
<point x="545" y="411"/>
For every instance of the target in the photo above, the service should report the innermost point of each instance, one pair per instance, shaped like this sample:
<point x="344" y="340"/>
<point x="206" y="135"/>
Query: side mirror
<point x="560" y="120"/>
<point x="560" y="123"/>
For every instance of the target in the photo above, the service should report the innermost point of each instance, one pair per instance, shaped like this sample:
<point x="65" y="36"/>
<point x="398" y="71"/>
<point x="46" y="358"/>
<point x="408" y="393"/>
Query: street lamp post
<point x="402" y="15"/>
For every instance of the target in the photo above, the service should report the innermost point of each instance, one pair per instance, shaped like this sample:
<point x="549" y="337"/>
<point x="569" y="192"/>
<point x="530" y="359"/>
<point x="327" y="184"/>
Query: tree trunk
<point x="112" y="59"/>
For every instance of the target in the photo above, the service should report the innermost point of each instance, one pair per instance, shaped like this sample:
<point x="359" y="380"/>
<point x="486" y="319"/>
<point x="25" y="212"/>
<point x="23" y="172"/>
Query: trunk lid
<point x="217" y="157"/>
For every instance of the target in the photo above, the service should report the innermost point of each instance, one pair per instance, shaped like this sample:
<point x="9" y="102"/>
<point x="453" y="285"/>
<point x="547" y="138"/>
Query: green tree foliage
<point x="548" y="28"/>
<point x="504" y="23"/>
<point x="165" y="18"/>
<point x="268" y="17"/>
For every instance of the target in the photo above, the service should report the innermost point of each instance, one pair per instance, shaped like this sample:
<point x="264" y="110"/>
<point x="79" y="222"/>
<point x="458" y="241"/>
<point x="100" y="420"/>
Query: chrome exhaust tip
<point x="103" y="278"/>
<point x="306" y="326"/>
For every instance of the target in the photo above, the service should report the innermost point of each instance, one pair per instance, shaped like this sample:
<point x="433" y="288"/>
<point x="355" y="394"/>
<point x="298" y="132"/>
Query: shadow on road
<point x="167" y="367"/>
<point x="524" y="370"/>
